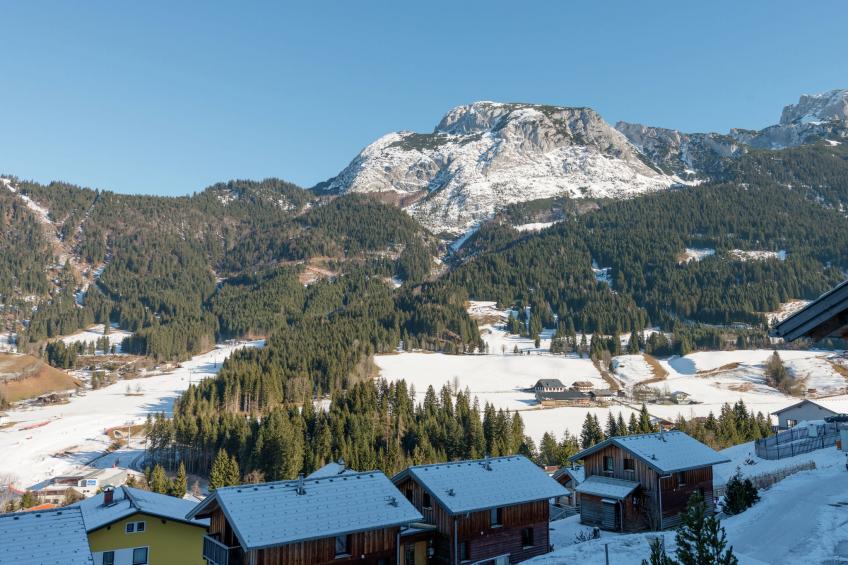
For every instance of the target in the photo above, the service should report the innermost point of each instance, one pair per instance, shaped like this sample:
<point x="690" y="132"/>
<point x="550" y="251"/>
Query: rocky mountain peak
<point x="824" y="107"/>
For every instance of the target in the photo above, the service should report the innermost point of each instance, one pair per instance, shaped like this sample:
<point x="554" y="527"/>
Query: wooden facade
<point x="658" y="501"/>
<point x="377" y="547"/>
<point x="471" y="537"/>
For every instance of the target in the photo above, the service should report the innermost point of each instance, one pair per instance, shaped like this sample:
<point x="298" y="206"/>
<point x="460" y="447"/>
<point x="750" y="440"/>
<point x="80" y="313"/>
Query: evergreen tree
<point x="179" y="485"/>
<point x="158" y="481"/>
<point x="620" y="425"/>
<point x="645" y="426"/>
<point x="591" y="433"/>
<point x="700" y="538"/>
<point x="612" y="426"/>
<point x="658" y="554"/>
<point x="219" y="475"/>
<point x="740" y="495"/>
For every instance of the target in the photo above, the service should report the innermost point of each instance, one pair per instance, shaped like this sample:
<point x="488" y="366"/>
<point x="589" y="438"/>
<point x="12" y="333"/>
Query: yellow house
<point x="128" y="526"/>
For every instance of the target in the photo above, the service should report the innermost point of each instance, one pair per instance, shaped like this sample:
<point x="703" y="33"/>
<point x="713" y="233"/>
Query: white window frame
<point x="144" y="547"/>
<point x="135" y="527"/>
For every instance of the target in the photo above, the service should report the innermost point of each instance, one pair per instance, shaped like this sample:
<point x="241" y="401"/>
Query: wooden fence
<point x="796" y="441"/>
<point x="767" y="480"/>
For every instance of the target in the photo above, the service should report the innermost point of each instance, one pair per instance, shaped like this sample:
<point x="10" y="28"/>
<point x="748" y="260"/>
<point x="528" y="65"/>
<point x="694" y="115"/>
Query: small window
<point x="130" y="527"/>
<point x="681" y="479"/>
<point x="139" y="556"/>
<point x="496" y="517"/>
<point x="409" y="554"/>
<point x="527" y="537"/>
<point x="791" y="423"/>
<point x="609" y="464"/>
<point x="463" y="551"/>
<point x="629" y="465"/>
<point x="342" y="545"/>
<point x="139" y="526"/>
<point x="409" y="494"/>
<point x="108" y="558"/>
<point x="426" y="500"/>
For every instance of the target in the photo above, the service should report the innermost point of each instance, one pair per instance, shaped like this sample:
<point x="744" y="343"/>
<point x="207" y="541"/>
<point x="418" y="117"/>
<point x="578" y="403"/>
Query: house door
<point x="610" y="515"/>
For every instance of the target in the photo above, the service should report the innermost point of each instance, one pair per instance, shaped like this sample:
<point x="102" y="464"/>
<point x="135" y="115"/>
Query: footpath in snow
<point x="52" y="440"/>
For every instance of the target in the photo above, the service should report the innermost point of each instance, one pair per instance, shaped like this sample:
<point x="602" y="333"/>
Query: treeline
<point x="370" y="425"/>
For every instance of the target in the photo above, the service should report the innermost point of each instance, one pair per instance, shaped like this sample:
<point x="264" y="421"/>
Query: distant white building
<point x="85" y="483"/>
<point x="804" y="411"/>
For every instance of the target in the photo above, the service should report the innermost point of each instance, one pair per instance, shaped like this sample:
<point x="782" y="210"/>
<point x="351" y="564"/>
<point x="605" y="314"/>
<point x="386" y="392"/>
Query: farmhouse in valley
<point x="804" y="411"/>
<point x="128" y="525"/>
<point x="46" y="536"/>
<point x="345" y="518"/>
<point x="493" y="510"/>
<point x="642" y="482"/>
<point x="549" y="385"/>
<point x="582" y="386"/>
<point x="564" y="398"/>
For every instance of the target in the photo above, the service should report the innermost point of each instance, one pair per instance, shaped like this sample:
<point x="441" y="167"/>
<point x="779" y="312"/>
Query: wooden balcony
<point x="216" y="553"/>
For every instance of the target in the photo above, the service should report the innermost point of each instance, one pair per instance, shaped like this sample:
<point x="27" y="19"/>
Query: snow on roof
<point x="331" y="469"/>
<point x="799" y="404"/>
<point x="578" y="474"/>
<point x="273" y="514"/>
<point x="51" y="536"/>
<point x="467" y="486"/>
<point x="666" y="452"/>
<point x="820" y="318"/>
<point x="607" y="487"/>
<point x="127" y="501"/>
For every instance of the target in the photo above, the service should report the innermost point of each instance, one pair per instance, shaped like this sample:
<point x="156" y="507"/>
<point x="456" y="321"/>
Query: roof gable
<point x="666" y="452"/>
<point x="467" y="486"/>
<point x="826" y="316"/>
<point x="274" y="514"/>
<point x="802" y="403"/>
<point x="51" y="536"/>
<point x="128" y="501"/>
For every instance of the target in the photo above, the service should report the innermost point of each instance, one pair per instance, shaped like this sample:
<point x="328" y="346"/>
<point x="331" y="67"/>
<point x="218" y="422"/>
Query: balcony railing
<point x="217" y="553"/>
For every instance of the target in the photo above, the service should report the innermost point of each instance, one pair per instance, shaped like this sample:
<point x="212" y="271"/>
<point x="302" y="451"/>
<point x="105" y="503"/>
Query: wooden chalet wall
<point x="378" y="547"/>
<point x="640" y="509"/>
<point x="484" y="540"/>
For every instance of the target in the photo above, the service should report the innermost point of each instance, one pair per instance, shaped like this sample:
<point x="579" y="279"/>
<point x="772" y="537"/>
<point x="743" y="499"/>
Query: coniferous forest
<point x="239" y="260"/>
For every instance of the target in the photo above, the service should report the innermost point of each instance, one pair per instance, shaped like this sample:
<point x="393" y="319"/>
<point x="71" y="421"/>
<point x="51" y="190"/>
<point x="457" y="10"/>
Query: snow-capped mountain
<point x="486" y="155"/>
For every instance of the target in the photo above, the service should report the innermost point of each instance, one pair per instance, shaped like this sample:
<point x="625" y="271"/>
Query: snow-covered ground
<point x="78" y="427"/>
<point x="786" y="309"/>
<point x="743" y="255"/>
<point x="535" y="226"/>
<point x="801" y="520"/>
<point x="696" y="254"/>
<point x="632" y="369"/>
<point x="92" y="334"/>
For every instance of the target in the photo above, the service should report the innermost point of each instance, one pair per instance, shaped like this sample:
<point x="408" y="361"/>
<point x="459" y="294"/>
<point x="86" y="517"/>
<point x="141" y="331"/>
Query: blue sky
<point x="169" y="97"/>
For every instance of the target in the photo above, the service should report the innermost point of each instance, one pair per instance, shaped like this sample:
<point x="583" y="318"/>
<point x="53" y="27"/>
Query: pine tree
<point x="233" y="472"/>
<point x="219" y="474"/>
<point x="633" y="424"/>
<point x="658" y="554"/>
<point x="612" y="426"/>
<point x="740" y="495"/>
<point x="591" y="433"/>
<point x="645" y="426"/>
<point x="179" y="484"/>
<point x="620" y="425"/>
<point x="633" y="344"/>
<point x="700" y="538"/>
<point x="159" y="481"/>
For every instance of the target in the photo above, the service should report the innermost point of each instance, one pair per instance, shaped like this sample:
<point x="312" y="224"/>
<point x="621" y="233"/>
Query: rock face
<point x="484" y="156"/>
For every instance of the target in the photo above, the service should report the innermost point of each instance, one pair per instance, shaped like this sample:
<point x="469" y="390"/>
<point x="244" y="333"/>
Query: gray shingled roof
<point x="128" y="501"/>
<point x="467" y="486"/>
<point x="667" y="452"/>
<point x="44" y="538"/>
<point x="549" y="383"/>
<point x="826" y="316"/>
<point x="273" y="514"/>
<point x="607" y="487"/>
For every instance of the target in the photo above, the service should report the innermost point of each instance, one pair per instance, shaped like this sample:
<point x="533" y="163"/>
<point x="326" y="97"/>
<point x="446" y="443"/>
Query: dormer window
<point x="496" y="517"/>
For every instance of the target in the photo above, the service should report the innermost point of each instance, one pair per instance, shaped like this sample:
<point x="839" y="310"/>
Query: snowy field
<point x="92" y="334"/>
<point x="710" y="378"/>
<point x="801" y="520"/>
<point x="77" y="429"/>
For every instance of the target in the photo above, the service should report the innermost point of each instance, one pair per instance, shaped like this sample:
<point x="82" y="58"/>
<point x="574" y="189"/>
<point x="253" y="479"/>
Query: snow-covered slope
<point x="486" y="155"/>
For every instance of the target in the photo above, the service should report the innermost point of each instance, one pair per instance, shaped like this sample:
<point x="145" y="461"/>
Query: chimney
<point x="108" y="496"/>
<point x="300" y="489"/>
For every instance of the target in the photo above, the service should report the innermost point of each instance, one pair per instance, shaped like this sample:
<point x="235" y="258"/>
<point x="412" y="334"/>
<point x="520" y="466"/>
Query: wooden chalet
<point x="582" y="386"/>
<point x="643" y="482"/>
<point x="570" y="478"/>
<point x="493" y="511"/>
<point x="826" y="316"/>
<point x="344" y="518"/>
